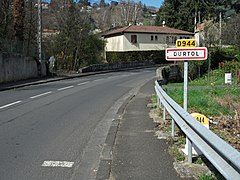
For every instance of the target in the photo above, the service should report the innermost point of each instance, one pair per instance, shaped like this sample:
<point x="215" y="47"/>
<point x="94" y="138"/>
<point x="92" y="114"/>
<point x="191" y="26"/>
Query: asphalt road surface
<point x="57" y="130"/>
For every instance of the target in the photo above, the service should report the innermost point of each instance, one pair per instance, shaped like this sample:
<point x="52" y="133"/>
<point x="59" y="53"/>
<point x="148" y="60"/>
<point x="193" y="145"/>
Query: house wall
<point x="145" y="42"/>
<point x="114" y="43"/>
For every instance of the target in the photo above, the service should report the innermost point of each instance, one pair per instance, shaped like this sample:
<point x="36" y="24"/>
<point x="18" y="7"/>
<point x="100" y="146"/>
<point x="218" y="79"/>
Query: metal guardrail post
<point x="160" y="102"/>
<point x="164" y="114"/>
<point x="189" y="145"/>
<point x="173" y="128"/>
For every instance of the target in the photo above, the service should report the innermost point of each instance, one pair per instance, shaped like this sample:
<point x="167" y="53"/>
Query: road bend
<point x="57" y="130"/>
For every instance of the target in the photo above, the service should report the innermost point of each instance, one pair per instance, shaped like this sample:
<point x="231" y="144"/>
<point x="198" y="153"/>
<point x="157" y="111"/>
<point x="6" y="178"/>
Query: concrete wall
<point x="14" y="67"/>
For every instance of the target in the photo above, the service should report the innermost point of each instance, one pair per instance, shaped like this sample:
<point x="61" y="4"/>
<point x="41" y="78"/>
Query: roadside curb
<point x="106" y="158"/>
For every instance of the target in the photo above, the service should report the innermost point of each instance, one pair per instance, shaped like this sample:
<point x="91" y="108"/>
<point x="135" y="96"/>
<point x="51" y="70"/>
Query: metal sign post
<point x="185" y="105"/>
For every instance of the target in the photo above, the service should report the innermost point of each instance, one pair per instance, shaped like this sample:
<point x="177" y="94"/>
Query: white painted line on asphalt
<point x="11" y="104"/>
<point x="83" y="83"/>
<point x="39" y="95"/>
<point x="68" y="87"/>
<point x="64" y="164"/>
<point x="98" y="80"/>
<point x="111" y="77"/>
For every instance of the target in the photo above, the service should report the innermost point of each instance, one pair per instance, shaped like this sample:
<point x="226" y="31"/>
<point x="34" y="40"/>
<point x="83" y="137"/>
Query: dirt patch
<point x="228" y="130"/>
<point x="190" y="170"/>
<point x="228" y="127"/>
<point x="163" y="131"/>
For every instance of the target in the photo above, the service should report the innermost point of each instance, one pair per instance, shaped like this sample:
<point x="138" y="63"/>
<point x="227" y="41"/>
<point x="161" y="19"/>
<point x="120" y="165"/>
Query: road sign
<point x="202" y="119"/>
<point x="186" y="43"/>
<point x="185" y="54"/>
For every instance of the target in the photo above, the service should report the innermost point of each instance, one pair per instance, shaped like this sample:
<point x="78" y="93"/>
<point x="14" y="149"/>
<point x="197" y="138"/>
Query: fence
<point x="224" y="157"/>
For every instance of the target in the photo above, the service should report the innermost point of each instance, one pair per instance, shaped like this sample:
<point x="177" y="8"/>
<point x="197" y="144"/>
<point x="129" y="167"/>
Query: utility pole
<point x="195" y="20"/>
<point x="220" y="29"/>
<point x="40" y="30"/>
<point x="199" y="17"/>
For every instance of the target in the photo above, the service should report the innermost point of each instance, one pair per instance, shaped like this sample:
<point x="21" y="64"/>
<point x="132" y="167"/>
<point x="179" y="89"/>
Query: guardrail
<point x="224" y="157"/>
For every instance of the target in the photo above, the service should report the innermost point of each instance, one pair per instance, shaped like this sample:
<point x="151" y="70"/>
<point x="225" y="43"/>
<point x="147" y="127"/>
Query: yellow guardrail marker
<point x="201" y="118"/>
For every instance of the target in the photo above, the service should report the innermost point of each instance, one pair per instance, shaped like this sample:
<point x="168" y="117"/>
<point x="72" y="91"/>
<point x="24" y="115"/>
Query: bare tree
<point x="18" y="15"/>
<point x="5" y="18"/>
<point x="30" y="29"/>
<point x="130" y="11"/>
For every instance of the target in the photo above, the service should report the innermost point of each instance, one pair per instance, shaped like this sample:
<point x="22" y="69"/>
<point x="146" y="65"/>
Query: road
<point x="57" y="130"/>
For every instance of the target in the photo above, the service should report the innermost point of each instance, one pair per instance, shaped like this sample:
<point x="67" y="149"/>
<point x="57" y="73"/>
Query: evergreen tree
<point x="182" y="14"/>
<point x="145" y="8"/>
<point x="84" y="3"/>
<point x="102" y="3"/>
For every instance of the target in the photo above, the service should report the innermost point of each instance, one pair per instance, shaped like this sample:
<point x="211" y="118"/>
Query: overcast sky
<point x="155" y="3"/>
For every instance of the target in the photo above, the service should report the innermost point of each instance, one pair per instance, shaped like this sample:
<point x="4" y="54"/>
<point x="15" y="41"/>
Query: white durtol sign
<point x="178" y="54"/>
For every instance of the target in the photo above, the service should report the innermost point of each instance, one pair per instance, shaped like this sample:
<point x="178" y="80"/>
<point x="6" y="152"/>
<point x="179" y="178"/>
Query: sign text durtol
<point x="197" y="53"/>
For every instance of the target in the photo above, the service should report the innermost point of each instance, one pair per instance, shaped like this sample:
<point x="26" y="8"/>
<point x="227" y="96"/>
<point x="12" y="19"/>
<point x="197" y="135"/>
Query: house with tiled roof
<point x="143" y="38"/>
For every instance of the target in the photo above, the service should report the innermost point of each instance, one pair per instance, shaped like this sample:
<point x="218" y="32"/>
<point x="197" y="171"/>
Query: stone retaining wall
<point x="113" y="66"/>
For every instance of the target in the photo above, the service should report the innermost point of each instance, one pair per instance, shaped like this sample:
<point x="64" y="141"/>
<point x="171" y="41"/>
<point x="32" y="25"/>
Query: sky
<point x="155" y="3"/>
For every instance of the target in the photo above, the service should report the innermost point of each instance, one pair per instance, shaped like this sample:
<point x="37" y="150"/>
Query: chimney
<point x="163" y="23"/>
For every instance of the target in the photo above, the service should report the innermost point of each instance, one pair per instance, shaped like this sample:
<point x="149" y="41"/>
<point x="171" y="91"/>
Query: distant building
<point x="49" y="32"/>
<point x="60" y="3"/>
<point x="143" y="38"/>
<point x="199" y="34"/>
<point x="45" y="5"/>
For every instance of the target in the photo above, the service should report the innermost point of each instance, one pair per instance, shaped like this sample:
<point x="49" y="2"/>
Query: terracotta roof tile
<point x="147" y="29"/>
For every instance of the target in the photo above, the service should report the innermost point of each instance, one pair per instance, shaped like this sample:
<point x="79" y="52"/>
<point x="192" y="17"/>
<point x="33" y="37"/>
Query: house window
<point x="174" y="39"/>
<point x="156" y="38"/>
<point x="133" y="38"/>
<point x="167" y="39"/>
<point x="171" y="39"/>
<point x="151" y="38"/>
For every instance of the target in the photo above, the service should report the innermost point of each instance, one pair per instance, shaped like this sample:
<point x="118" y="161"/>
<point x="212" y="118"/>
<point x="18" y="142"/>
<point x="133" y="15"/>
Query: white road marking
<point x="41" y="94"/>
<point x="83" y="83"/>
<point x="17" y="102"/>
<point x="111" y="77"/>
<point x="65" y="164"/>
<point x="68" y="87"/>
<point x="98" y="80"/>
